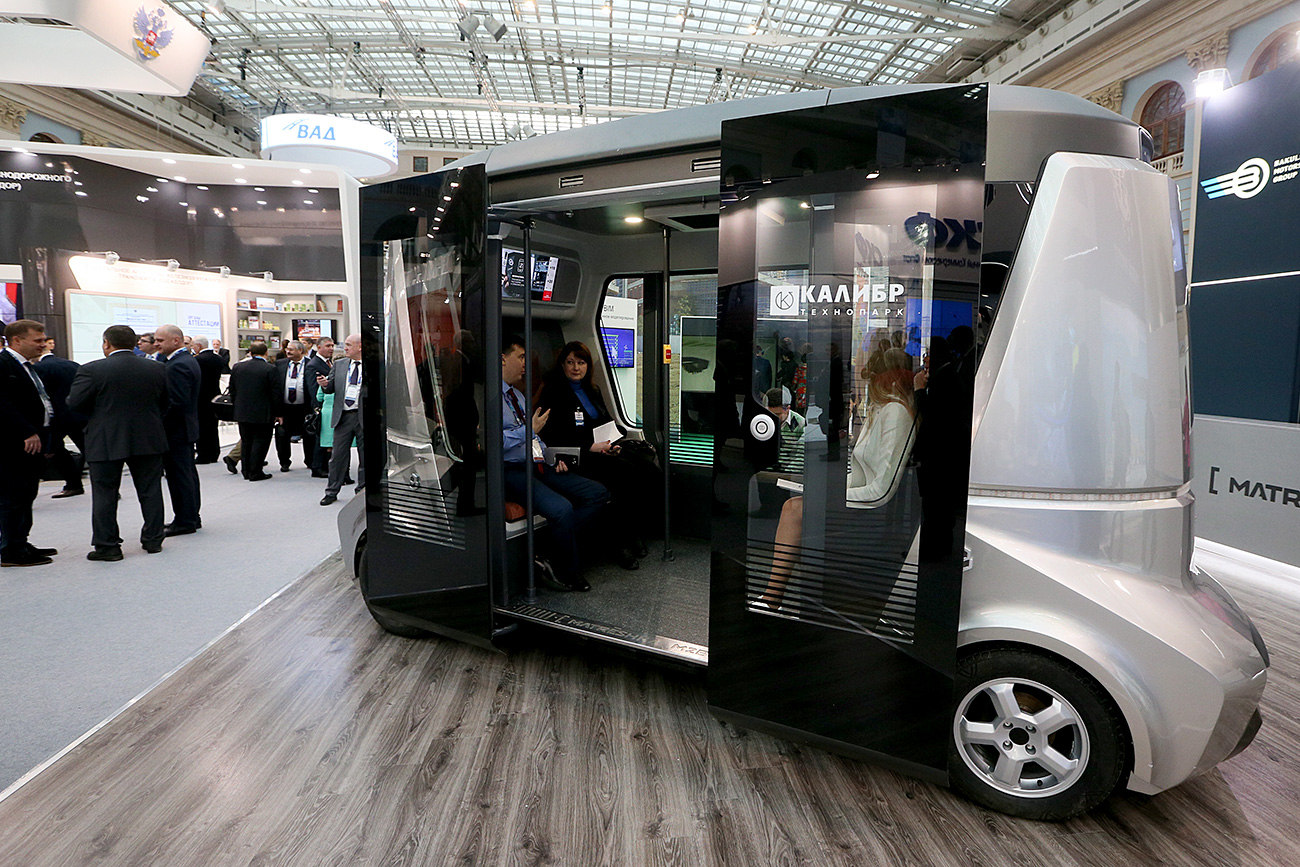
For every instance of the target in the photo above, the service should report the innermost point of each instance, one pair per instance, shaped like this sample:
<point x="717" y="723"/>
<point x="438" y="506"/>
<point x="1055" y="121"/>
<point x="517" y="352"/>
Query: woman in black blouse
<point x="576" y="409"/>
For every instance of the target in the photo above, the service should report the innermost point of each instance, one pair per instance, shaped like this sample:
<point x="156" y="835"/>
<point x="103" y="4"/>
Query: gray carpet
<point x="81" y="639"/>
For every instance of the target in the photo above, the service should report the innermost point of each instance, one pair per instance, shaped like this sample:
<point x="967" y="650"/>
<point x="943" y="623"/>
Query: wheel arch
<point x="1115" y="682"/>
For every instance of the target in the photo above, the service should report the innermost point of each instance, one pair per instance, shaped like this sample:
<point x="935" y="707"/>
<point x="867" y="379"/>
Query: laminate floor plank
<point x="307" y="736"/>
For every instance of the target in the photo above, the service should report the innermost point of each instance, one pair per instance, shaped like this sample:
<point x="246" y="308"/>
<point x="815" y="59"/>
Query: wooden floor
<point x="308" y="737"/>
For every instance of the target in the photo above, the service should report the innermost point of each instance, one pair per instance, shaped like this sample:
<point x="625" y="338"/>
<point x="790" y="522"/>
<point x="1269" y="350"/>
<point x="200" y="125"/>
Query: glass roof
<point x="463" y="74"/>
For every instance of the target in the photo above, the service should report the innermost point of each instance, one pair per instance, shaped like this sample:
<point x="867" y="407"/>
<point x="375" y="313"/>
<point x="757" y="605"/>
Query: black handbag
<point x="223" y="407"/>
<point x="311" y="424"/>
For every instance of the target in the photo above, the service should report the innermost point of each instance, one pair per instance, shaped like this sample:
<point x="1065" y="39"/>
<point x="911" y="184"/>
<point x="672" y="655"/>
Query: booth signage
<point x="361" y="149"/>
<point x="117" y="45"/>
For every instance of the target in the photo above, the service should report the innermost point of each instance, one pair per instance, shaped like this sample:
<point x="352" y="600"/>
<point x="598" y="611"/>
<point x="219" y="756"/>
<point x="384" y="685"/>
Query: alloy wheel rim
<point x="1021" y="737"/>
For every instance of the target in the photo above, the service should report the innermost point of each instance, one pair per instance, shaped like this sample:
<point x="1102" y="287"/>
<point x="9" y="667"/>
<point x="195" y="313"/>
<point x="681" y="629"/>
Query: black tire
<point x="1034" y="737"/>
<point x="389" y="625"/>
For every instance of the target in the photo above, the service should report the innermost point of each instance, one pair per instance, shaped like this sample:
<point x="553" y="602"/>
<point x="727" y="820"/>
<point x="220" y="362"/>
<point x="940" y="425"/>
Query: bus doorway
<point x="587" y="277"/>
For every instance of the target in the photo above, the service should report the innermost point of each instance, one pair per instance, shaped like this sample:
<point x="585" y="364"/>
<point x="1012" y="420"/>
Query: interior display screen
<point x="313" y="328"/>
<point x="620" y="346"/>
<point x="514" y="273"/>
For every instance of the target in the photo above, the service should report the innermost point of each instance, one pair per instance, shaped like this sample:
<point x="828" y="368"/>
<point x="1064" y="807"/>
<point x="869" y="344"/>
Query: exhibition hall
<point x="657" y="432"/>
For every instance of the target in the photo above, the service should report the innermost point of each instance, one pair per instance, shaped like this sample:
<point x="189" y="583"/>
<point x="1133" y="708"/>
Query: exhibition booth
<point x="240" y="250"/>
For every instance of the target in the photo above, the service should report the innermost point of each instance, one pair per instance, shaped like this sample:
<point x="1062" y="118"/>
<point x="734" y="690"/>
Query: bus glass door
<point x="848" y="281"/>
<point x="424" y="245"/>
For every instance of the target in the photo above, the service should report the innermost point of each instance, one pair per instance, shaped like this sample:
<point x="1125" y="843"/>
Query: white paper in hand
<point x="608" y="431"/>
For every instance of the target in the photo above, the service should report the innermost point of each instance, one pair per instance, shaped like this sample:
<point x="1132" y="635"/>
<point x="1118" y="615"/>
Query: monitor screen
<point x="313" y="328"/>
<point x="513" y="275"/>
<point x="620" y="346"/>
<point x="9" y="302"/>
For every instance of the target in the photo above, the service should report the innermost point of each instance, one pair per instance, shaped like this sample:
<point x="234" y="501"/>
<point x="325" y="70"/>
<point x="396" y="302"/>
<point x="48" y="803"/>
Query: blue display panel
<point x="620" y="346"/>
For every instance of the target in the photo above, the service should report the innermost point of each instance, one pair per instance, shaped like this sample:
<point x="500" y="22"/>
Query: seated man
<point x="567" y="500"/>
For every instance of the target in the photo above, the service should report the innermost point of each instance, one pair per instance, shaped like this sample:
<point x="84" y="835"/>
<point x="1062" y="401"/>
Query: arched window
<point x="1282" y="49"/>
<point x="46" y="138"/>
<point x="1164" y="118"/>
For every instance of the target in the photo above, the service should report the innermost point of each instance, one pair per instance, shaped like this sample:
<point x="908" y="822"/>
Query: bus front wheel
<point x="388" y="624"/>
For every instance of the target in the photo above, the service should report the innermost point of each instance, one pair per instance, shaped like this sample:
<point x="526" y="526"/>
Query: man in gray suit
<point x="345" y="383"/>
<point x="124" y="395"/>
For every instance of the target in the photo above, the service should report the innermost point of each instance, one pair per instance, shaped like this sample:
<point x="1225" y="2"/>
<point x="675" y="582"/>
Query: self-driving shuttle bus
<point x="903" y="375"/>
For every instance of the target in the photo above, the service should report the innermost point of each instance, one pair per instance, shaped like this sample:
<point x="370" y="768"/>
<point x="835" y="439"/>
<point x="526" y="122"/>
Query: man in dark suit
<point x="298" y="394"/>
<point x="25" y="415"/>
<point x="255" y="390"/>
<point x="147" y="346"/>
<point x="211" y="368"/>
<point x="57" y="374"/>
<point x="345" y="383"/>
<point x="319" y="365"/>
<point x="124" y="397"/>
<point x="181" y="421"/>
<point x="221" y="350"/>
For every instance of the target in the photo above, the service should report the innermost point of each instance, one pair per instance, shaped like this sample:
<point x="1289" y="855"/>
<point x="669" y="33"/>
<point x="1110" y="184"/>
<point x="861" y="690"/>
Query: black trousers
<point x="292" y="427"/>
<point x="255" y="442"/>
<point x="105" y="487"/>
<point x="19" y="483"/>
<point x="341" y="461"/>
<point x="183" y="484"/>
<point x="209" y="445"/>
<point x="61" y="460"/>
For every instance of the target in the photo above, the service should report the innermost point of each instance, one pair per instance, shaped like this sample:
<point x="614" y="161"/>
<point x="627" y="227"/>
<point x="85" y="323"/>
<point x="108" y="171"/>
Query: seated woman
<point x="576" y="409"/>
<point x="879" y="455"/>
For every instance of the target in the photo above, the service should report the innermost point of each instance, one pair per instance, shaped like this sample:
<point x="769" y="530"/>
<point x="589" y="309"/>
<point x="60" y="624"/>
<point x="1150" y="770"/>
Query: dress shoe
<point x="328" y="500"/>
<point x="261" y="477"/>
<point x="25" y="559"/>
<point x="42" y="552"/>
<point x="231" y="465"/>
<point x="577" y="582"/>
<point x="284" y="468"/>
<point x="626" y="559"/>
<point x="546" y="576"/>
<point x="319" y="474"/>
<point x="76" y="492"/>
<point x="642" y="550"/>
<point x="347" y="480"/>
<point x="107" y="555"/>
<point x="173" y="530"/>
<point x="151" y="547"/>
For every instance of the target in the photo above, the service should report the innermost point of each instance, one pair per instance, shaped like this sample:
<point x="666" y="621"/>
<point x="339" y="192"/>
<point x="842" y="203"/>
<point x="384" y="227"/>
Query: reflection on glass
<point x="432" y="404"/>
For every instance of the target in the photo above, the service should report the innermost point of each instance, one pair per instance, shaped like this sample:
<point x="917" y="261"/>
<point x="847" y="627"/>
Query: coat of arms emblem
<point x="152" y="34"/>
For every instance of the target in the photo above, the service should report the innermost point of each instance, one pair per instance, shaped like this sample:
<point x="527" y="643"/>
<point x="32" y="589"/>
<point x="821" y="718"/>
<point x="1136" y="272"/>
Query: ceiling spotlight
<point x="634" y="219"/>
<point x="467" y="26"/>
<point x="236" y="165"/>
<point x="179" y="178"/>
<point x="173" y="265"/>
<point x="873" y="174"/>
<point x="169" y="161"/>
<point x="110" y="258"/>
<point x="494" y="27"/>
<point x="268" y="276"/>
<point x="224" y="271"/>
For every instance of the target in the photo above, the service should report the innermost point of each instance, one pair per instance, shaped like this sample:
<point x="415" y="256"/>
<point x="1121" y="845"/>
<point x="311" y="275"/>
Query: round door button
<point x="761" y="428"/>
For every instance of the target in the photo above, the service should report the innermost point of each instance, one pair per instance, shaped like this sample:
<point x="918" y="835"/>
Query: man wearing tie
<point x="182" y="423"/>
<point x="299" y="395"/>
<point x="25" y="415"/>
<point x="345" y="383"/>
<point x="57" y="375"/>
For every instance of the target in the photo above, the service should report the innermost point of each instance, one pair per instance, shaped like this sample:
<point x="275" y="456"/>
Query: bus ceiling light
<point x="1211" y="82"/>
<point x="633" y="219"/>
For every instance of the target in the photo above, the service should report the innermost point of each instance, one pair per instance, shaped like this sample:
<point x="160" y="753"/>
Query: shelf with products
<point x="295" y="314"/>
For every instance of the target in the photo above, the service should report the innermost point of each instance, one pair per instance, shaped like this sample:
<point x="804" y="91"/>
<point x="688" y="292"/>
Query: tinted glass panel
<point x="849" y="278"/>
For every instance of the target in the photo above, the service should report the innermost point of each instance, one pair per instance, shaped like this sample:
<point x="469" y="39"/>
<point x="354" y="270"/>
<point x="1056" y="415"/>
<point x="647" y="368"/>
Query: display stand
<point x="270" y="316"/>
